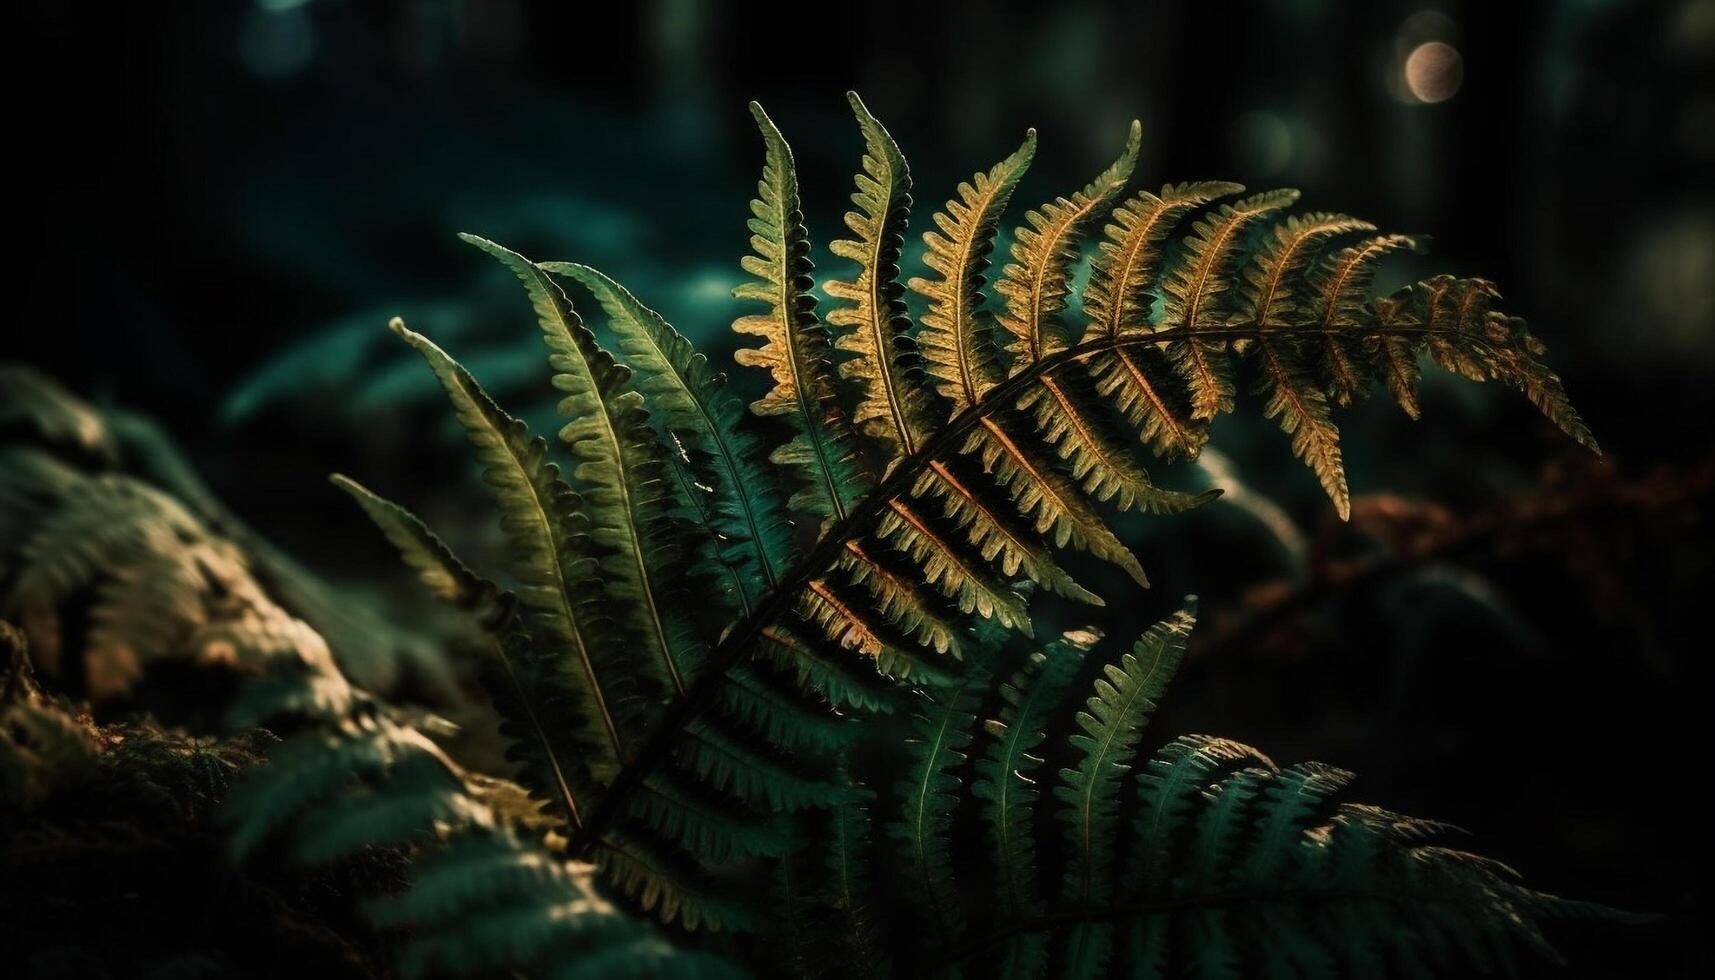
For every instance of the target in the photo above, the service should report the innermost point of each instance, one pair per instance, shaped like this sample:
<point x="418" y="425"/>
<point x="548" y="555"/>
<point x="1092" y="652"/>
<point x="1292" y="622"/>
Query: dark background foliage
<point x="222" y="202"/>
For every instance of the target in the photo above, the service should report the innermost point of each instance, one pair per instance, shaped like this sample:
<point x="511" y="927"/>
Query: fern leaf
<point x="1055" y="507"/>
<point x="1117" y="300"/>
<point x="832" y="676"/>
<point x="1169" y="788"/>
<point x="870" y="307"/>
<point x="1290" y="801"/>
<point x="620" y="469"/>
<point x="1271" y="301"/>
<point x="703" y="824"/>
<point x="851" y="623"/>
<point x="1003" y="774"/>
<point x="897" y="598"/>
<point x="724" y="763"/>
<point x="989" y="532"/>
<point x="692" y="402"/>
<point x="1109" y="731"/>
<point x="796" y="350"/>
<point x="943" y="732"/>
<point x="1192" y="293"/>
<point x="957" y="341"/>
<point x="1035" y="284"/>
<point x="513" y="672"/>
<point x="661" y="883"/>
<point x="1066" y="419"/>
<point x="783" y="716"/>
<point x="550" y="556"/>
<point x="1394" y="357"/>
<point x="1343" y="284"/>
<point x="944" y="566"/>
<point x="435" y="564"/>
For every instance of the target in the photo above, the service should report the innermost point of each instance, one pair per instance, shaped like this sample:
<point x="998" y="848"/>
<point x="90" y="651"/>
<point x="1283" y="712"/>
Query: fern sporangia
<point x="866" y="541"/>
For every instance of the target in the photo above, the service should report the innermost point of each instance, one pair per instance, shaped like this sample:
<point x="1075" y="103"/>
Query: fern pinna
<point x="700" y="608"/>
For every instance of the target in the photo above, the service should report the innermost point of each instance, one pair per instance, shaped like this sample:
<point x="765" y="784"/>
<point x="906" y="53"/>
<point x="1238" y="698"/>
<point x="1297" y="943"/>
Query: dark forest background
<point x="221" y="203"/>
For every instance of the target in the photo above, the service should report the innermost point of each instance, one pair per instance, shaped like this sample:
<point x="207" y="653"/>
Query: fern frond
<point x="1110" y="728"/>
<point x="957" y="340"/>
<point x="692" y="402"/>
<point x="870" y="307"/>
<point x="927" y="793"/>
<point x="1168" y="788"/>
<point x="945" y="566"/>
<point x="551" y="557"/>
<point x="991" y="535"/>
<point x="796" y="350"/>
<point x="1037" y="282"/>
<point x="704" y="824"/>
<point x="1193" y="292"/>
<point x="435" y="564"/>
<point x="668" y="885"/>
<point x="1041" y="493"/>
<point x="896" y="597"/>
<point x="1118" y="300"/>
<point x="1003" y="773"/>
<point x="937" y="504"/>
<point x="1126" y="267"/>
<point x="621" y="472"/>
<point x="1064" y="409"/>
<point x="1342" y="285"/>
<point x="723" y="762"/>
<point x="482" y="901"/>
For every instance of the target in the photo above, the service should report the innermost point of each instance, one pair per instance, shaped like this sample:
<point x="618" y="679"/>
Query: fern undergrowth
<point x="707" y="616"/>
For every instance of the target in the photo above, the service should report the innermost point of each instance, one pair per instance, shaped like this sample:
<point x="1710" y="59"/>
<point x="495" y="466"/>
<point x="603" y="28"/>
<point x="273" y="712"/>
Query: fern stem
<point x="704" y="690"/>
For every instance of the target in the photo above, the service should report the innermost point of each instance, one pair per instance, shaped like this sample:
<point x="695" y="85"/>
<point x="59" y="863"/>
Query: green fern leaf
<point x="1003" y="773"/>
<point x="620" y="470"/>
<point x="551" y="557"/>
<point x="943" y="732"/>
<point x="692" y="402"/>
<point x="435" y="564"/>
<point x="1109" y="731"/>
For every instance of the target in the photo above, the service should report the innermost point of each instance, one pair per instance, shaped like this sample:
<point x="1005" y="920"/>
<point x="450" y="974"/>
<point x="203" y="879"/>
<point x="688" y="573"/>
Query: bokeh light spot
<point x="1433" y="72"/>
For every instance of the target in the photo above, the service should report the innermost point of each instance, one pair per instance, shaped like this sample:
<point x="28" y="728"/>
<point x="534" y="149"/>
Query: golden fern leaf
<point x="1036" y="283"/>
<point x="1395" y="356"/>
<point x="916" y="550"/>
<point x="796" y="350"/>
<point x="895" y="595"/>
<point x="871" y="307"/>
<point x="1269" y="299"/>
<point x="943" y="565"/>
<point x="1471" y="338"/>
<point x="957" y="340"/>
<point x="1106" y="470"/>
<point x="1117" y="301"/>
<point x="1057" y="509"/>
<point x="1192" y="293"/>
<point x="993" y="537"/>
<point x="1342" y="285"/>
